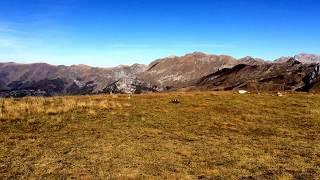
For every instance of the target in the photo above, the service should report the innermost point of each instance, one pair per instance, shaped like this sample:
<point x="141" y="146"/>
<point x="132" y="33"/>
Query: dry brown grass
<point x="208" y="135"/>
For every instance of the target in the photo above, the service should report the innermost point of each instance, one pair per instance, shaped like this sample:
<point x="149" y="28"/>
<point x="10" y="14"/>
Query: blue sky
<point x="111" y="32"/>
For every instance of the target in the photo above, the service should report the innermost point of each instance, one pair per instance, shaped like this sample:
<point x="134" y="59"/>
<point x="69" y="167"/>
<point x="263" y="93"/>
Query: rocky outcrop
<point x="312" y="79"/>
<point x="131" y="85"/>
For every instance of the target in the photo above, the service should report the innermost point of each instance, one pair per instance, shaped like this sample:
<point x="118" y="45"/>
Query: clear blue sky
<point x="112" y="32"/>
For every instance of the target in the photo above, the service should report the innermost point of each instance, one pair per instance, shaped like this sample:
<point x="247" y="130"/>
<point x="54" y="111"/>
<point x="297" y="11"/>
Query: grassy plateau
<point x="207" y="135"/>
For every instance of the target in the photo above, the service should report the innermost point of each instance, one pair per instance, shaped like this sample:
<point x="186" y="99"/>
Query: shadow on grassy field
<point x="217" y="135"/>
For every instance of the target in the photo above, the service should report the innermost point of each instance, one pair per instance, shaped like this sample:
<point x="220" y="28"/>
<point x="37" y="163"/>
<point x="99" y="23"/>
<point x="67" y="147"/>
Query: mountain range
<point x="192" y="71"/>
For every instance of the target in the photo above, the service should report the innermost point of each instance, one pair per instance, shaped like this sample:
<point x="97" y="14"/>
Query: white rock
<point x="242" y="91"/>
<point x="279" y="94"/>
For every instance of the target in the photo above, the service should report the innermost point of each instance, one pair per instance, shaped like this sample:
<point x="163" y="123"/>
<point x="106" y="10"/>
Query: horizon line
<point x="165" y="57"/>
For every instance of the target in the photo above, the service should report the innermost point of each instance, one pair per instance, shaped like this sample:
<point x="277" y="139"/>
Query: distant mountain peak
<point x="302" y="57"/>
<point x="197" y="53"/>
<point x="307" y="58"/>
<point x="252" y="61"/>
<point x="307" y="54"/>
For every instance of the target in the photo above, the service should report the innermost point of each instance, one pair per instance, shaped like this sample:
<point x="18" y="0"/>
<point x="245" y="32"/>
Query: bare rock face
<point x="131" y="85"/>
<point x="104" y="76"/>
<point x="185" y="70"/>
<point x="312" y="79"/>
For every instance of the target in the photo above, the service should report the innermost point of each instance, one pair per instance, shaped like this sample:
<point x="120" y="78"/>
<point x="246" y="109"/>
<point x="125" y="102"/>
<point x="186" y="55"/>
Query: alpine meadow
<point x="160" y="89"/>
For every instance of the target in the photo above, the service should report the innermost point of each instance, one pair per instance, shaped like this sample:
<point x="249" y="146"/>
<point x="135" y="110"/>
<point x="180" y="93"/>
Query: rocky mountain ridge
<point x="291" y="75"/>
<point x="197" y="70"/>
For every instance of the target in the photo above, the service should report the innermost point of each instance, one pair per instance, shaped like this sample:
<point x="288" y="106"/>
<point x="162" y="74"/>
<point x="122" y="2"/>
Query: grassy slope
<point x="207" y="135"/>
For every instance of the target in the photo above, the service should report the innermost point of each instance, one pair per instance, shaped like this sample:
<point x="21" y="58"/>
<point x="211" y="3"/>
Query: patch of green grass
<point x="214" y="135"/>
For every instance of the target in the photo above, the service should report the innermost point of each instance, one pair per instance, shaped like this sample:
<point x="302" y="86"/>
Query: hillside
<point x="185" y="70"/>
<point x="21" y="79"/>
<point x="291" y="75"/>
